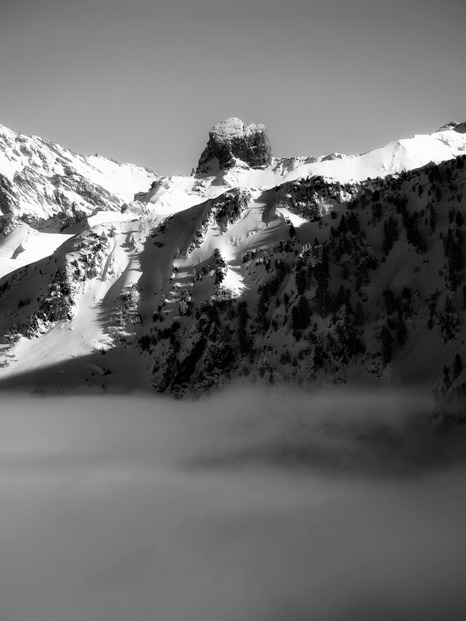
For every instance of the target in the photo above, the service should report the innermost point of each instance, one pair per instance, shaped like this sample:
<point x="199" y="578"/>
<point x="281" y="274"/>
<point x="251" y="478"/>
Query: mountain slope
<point x="270" y="273"/>
<point x="39" y="179"/>
<point x="393" y="158"/>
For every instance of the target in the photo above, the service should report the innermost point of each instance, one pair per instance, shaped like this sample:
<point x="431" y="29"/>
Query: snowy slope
<point x="24" y="245"/>
<point x="277" y="273"/>
<point x="393" y="158"/>
<point x="170" y="194"/>
<point x="45" y="178"/>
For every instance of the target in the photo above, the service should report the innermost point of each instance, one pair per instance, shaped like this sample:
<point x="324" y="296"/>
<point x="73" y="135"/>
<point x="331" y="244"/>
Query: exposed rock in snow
<point x="461" y="128"/>
<point x="453" y="125"/>
<point x="232" y="139"/>
<point x="333" y="156"/>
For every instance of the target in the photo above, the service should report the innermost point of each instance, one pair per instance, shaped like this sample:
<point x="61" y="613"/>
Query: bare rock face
<point x="232" y="139"/>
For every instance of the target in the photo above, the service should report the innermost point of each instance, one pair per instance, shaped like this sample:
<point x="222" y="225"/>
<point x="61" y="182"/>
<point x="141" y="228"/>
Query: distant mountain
<point x="39" y="180"/>
<point x="297" y="270"/>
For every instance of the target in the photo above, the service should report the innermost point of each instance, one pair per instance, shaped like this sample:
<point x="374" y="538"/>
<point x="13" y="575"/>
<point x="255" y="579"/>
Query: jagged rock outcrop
<point x="7" y="196"/>
<point x="454" y="125"/>
<point x="232" y="139"/>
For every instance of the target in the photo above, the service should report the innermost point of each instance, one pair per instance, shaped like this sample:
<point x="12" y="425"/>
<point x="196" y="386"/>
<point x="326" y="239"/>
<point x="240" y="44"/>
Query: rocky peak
<point x="232" y="139"/>
<point x="454" y="125"/>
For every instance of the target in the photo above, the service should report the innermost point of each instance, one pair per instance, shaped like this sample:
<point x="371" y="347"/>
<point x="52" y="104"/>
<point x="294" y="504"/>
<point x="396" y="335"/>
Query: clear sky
<point x="144" y="81"/>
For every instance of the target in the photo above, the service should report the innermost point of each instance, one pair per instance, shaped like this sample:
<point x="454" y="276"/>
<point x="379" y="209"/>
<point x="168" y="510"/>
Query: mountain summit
<point x="232" y="139"/>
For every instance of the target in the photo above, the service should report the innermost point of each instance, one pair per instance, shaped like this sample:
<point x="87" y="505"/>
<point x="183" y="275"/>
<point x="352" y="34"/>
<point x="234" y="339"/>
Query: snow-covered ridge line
<point x="41" y="178"/>
<point x="395" y="157"/>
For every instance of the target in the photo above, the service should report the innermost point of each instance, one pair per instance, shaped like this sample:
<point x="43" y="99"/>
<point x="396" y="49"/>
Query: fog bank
<point x="245" y="507"/>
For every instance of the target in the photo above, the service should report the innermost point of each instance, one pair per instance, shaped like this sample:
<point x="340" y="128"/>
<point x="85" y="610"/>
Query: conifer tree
<point x="386" y="340"/>
<point x="457" y="366"/>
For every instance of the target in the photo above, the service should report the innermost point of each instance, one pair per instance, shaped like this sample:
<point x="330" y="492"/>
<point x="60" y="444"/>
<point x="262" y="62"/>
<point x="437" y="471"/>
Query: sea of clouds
<point x="245" y="506"/>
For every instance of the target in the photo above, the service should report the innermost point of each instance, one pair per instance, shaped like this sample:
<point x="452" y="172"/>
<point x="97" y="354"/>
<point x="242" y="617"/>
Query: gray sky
<point x="144" y="81"/>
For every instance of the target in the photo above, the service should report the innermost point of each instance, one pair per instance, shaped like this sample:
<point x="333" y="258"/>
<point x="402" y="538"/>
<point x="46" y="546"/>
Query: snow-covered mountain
<point x="305" y="269"/>
<point x="39" y="179"/>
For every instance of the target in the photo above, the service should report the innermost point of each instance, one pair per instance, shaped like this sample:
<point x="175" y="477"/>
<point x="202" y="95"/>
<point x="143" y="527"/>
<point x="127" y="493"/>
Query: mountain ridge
<point x="273" y="273"/>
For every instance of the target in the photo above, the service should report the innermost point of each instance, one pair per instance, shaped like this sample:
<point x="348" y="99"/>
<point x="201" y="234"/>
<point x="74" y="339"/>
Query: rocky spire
<point x="232" y="139"/>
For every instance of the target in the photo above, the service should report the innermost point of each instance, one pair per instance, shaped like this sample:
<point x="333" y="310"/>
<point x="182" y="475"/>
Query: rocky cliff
<point x="232" y="139"/>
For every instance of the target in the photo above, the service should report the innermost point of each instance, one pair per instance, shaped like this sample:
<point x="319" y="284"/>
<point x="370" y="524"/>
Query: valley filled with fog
<point x="245" y="506"/>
